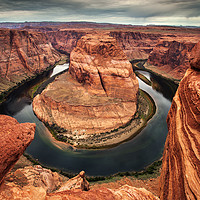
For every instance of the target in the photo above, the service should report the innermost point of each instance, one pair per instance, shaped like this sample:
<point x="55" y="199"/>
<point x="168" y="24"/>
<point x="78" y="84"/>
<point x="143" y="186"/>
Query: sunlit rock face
<point x="180" y="178"/>
<point x="98" y="94"/>
<point x="14" y="138"/>
<point x="23" y="55"/>
<point x="125" y="192"/>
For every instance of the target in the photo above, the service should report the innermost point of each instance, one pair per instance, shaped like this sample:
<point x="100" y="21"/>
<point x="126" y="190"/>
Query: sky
<point x="135" y="12"/>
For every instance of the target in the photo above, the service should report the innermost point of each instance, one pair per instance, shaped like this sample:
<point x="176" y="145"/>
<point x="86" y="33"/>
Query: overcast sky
<point x="168" y="12"/>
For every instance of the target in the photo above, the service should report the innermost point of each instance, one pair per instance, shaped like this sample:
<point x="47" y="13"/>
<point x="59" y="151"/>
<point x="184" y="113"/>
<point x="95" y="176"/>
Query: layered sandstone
<point x="180" y="178"/>
<point x="23" y="55"/>
<point x="170" y="57"/>
<point x="30" y="183"/>
<point x="125" y="192"/>
<point x="98" y="94"/>
<point x="77" y="182"/>
<point x="14" y="138"/>
<point x="37" y="183"/>
<point x="65" y="40"/>
<point x="136" y="45"/>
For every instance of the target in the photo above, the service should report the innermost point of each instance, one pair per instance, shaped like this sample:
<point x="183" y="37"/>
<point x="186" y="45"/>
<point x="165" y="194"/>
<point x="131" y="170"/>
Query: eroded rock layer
<point x="99" y="94"/>
<point x="125" y="192"/>
<point x="23" y="55"/>
<point x="136" y="45"/>
<point x="170" y="57"/>
<point x="180" y="177"/>
<point x="14" y="138"/>
<point x="37" y="183"/>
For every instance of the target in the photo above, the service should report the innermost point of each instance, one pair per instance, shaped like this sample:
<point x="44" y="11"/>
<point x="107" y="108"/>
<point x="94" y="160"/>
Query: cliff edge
<point x="180" y="177"/>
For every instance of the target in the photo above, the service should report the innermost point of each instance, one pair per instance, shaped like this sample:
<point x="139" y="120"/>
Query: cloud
<point x="92" y="9"/>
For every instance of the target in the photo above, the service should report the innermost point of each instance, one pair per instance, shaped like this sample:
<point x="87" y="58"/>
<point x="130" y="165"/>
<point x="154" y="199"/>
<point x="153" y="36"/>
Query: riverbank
<point x="143" y="65"/>
<point x="12" y="86"/>
<point x="146" y="109"/>
<point x="149" y="172"/>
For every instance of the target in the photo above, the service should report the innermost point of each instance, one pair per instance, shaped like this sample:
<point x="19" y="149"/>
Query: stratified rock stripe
<point x="180" y="177"/>
<point x="23" y="55"/>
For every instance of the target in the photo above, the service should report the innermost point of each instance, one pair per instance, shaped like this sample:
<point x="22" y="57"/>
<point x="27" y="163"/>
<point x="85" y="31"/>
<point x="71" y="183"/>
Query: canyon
<point x="154" y="44"/>
<point x="180" y="169"/>
<point x="170" y="53"/>
<point x="33" y="47"/>
<point x="98" y="95"/>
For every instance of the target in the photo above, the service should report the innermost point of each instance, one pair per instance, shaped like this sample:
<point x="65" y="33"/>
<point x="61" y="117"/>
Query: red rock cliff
<point x="170" y="57"/>
<point x="180" y="176"/>
<point x="65" y="40"/>
<point x="136" y="45"/>
<point x="23" y="55"/>
<point x="99" y="94"/>
<point x="14" y="138"/>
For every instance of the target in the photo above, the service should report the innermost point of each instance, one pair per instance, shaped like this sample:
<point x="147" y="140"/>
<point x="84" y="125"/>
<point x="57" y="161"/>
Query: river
<point x="133" y="155"/>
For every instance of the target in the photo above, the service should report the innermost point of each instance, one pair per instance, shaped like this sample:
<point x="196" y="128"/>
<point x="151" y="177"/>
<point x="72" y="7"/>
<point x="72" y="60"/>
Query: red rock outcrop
<point x="30" y="183"/>
<point x="23" y="55"/>
<point x="125" y="192"/>
<point x="170" y="57"/>
<point x="35" y="183"/>
<point x="180" y="176"/>
<point x="77" y="182"/>
<point x="98" y="95"/>
<point x="14" y="138"/>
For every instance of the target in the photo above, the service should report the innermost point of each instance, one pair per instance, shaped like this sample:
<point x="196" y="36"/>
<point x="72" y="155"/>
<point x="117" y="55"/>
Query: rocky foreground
<point x="14" y="138"/>
<point x="98" y="95"/>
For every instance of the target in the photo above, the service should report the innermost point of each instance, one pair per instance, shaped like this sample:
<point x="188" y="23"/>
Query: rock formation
<point x="30" y="183"/>
<point x="125" y="192"/>
<point x="65" y="40"/>
<point x="78" y="182"/>
<point x="136" y="45"/>
<point x="98" y="95"/>
<point x="180" y="176"/>
<point x="14" y="138"/>
<point x="37" y="183"/>
<point x="170" y="57"/>
<point x="23" y="55"/>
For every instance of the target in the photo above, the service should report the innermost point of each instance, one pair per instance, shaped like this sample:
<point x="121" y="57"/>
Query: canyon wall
<point x="98" y="94"/>
<point x="180" y="177"/>
<point x="23" y="55"/>
<point x="170" y="57"/>
<point x="136" y="45"/>
<point x="166" y="49"/>
<point x="65" y="40"/>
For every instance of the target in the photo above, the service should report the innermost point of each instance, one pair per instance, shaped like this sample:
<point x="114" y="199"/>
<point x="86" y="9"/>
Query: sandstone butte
<point x="180" y="175"/>
<point x="23" y="55"/>
<point x="98" y="94"/>
<point x="14" y="138"/>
